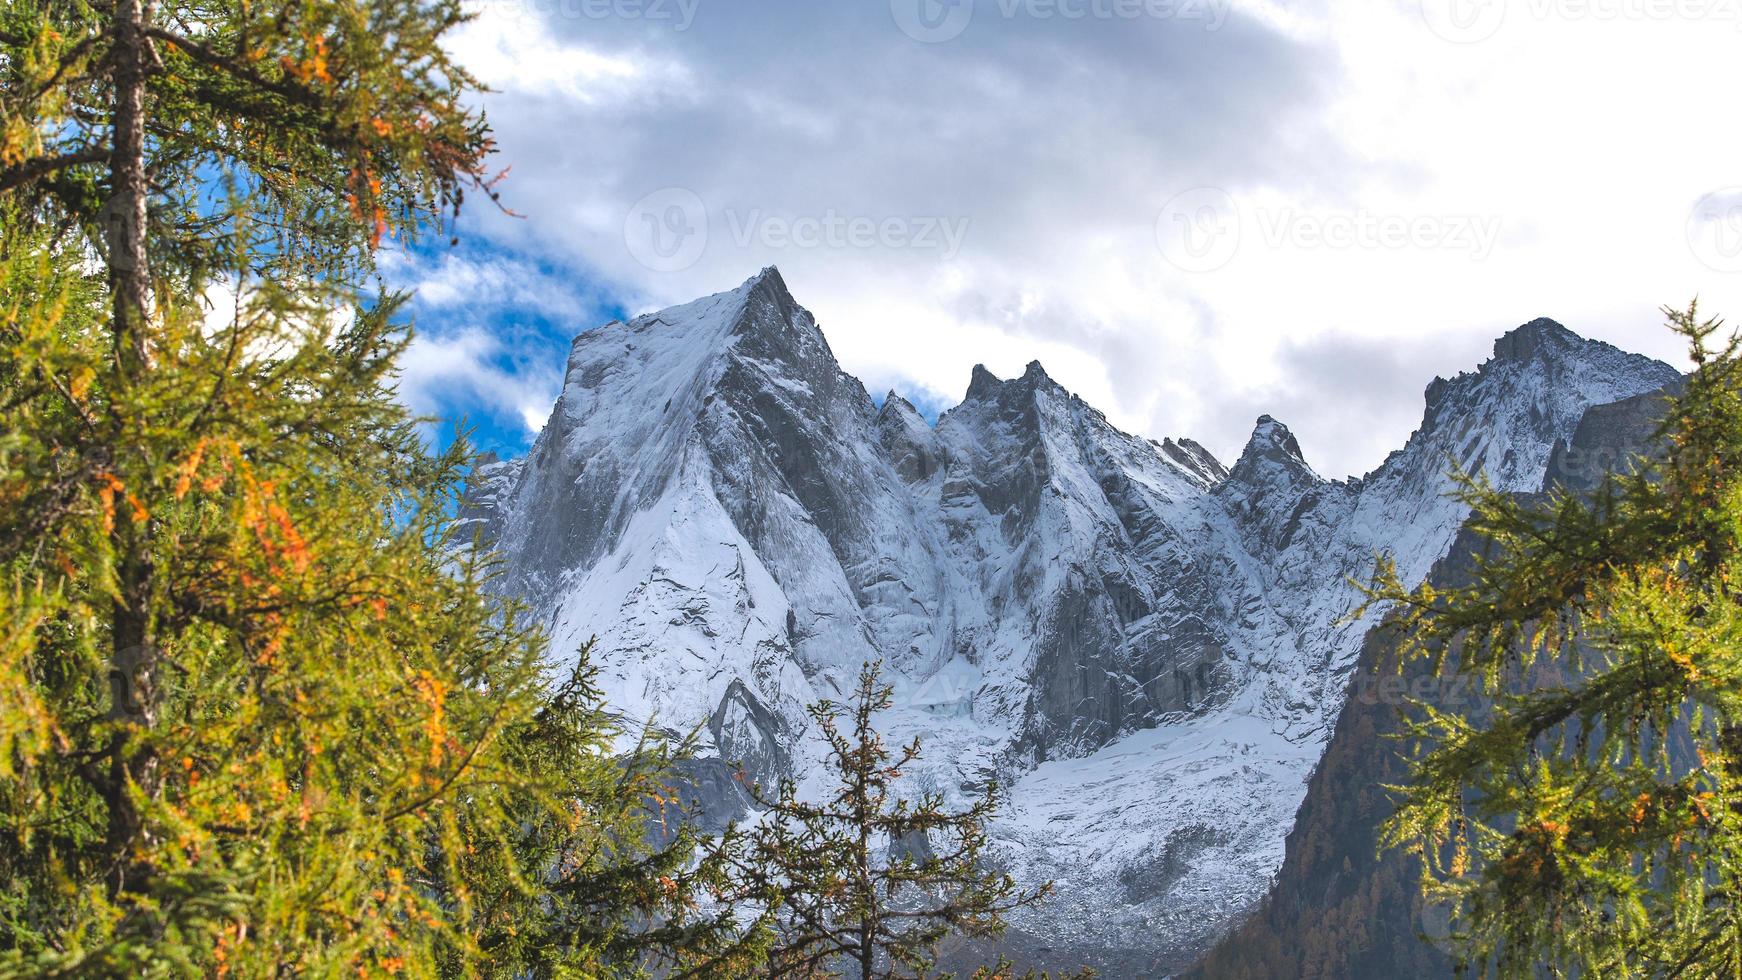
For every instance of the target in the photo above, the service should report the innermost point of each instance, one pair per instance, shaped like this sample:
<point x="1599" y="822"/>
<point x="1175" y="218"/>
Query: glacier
<point x="1144" y="648"/>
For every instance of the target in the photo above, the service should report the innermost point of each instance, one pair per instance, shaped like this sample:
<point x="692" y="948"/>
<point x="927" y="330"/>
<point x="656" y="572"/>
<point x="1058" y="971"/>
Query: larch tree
<point x="259" y="713"/>
<point x="865" y="881"/>
<point x="1595" y="829"/>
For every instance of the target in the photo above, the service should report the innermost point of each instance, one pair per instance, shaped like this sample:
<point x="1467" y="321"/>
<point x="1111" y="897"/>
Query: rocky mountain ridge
<point x="1147" y="647"/>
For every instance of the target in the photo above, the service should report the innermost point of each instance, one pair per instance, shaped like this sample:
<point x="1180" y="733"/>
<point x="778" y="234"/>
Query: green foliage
<point x="353" y="762"/>
<point x="1595" y="828"/>
<point x="867" y="880"/>
<point x="340" y="121"/>
<point x="572" y="885"/>
<point x="259" y="713"/>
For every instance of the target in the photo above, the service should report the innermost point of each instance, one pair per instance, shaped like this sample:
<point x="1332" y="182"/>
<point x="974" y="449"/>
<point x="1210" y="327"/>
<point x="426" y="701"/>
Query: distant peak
<point x="982" y="382"/>
<point x="768" y="313"/>
<point x="1539" y="336"/>
<point x="893" y="402"/>
<point x="1271" y="435"/>
<point x="1035" y="372"/>
<point x="769" y="283"/>
<point x="769" y="274"/>
<point x="1271" y="447"/>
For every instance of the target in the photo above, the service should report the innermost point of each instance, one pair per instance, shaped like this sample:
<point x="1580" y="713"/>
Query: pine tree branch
<point x="37" y="168"/>
<point x="490" y="731"/>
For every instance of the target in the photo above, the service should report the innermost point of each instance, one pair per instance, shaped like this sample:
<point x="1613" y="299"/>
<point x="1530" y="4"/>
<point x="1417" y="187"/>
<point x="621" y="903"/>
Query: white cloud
<point x="435" y="371"/>
<point x="451" y="281"/>
<point x="1584" y="140"/>
<point x="509" y="48"/>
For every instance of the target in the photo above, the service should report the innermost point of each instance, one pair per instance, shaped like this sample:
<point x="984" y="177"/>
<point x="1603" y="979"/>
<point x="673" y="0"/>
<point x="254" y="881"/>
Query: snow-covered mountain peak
<point x="1147" y="646"/>
<point x="1272" y="448"/>
<point x="1539" y="337"/>
<point x="909" y="441"/>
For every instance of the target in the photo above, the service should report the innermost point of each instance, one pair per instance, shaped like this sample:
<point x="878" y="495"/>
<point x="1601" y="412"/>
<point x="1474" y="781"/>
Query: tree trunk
<point x="133" y="670"/>
<point x="125" y="214"/>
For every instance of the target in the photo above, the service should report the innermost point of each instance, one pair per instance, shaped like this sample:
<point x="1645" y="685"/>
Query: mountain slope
<point x="1148" y="648"/>
<point x="1339" y="908"/>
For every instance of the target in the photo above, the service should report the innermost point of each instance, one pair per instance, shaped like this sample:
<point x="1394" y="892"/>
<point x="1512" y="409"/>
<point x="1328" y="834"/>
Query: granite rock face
<point x="1146" y="647"/>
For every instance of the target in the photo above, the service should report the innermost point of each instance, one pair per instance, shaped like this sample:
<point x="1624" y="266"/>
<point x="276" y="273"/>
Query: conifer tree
<point x="1595" y="829"/>
<point x="867" y="881"/>
<point x="258" y="712"/>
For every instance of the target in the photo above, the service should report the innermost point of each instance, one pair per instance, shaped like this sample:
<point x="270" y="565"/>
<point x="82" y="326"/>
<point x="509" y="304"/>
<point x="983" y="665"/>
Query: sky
<point x="1192" y="212"/>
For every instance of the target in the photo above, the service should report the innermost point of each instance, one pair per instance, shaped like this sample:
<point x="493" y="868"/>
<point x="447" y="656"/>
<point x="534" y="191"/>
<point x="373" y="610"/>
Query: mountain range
<point x="1150" y="650"/>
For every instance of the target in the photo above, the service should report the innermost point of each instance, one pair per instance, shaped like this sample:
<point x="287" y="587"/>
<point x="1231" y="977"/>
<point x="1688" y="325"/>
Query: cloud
<point x="456" y="281"/>
<point x="491" y="330"/>
<point x="438" y="372"/>
<point x="1058" y="132"/>
<point x="1348" y="389"/>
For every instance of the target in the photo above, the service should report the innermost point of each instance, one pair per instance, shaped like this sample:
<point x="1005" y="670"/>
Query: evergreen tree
<point x="1595" y="829"/>
<point x="867" y="880"/>
<point x="258" y="712"/>
<point x="575" y="888"/>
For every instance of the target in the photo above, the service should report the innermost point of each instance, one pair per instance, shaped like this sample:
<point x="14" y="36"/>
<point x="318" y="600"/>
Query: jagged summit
<point x="894" y="402"/>
<point x="1270" y="437"/>
<point x="1271" y="447"/>
<point x="1547" y="374"/>
<point x="770" y="283"/>
<point x="981" y="383"/>
<point x="757" y="301"/>
<point x="1191" y="456"/>
<point x="1539" y="336"/>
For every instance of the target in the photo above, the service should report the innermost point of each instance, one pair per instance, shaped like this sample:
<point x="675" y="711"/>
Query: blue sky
<point x="491" y="330"/>
<point x="1193" y="212"/>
